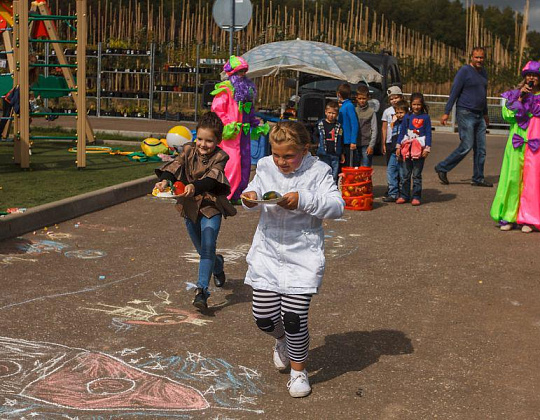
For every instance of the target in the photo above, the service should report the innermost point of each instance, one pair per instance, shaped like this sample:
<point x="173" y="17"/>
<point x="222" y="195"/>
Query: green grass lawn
<point x="53" y="174"/>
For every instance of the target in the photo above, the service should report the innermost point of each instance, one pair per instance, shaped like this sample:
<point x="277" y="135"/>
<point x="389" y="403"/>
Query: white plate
<point x="165" y="195"/>
<point x="271" y="201"/>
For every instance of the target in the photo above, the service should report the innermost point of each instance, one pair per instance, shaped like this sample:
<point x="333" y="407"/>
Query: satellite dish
<point x="222" y="13"/>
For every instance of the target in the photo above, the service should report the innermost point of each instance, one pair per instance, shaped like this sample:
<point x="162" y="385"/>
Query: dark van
<point x="312" y="87"/>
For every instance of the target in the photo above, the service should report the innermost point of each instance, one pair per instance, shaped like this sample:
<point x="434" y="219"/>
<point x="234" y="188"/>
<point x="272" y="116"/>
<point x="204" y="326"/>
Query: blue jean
<point x="472" y="134"/>
<point x="392" y="175"/>
<point x="204" y="235"/>
<point x="333" y="162"/>
<point x="365" y="159"/>
<point x="411" y="167"/>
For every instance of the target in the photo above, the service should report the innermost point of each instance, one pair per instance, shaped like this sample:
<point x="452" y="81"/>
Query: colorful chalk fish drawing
<point x="230" y="255"/>
<point x="40" y="378"/>
<point x="79" y="379"/>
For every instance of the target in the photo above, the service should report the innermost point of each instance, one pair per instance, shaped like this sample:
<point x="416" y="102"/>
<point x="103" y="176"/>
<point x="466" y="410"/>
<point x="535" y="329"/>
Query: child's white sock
<point x="295" y="373"/>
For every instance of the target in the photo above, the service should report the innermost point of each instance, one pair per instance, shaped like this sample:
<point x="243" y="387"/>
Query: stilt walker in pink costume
<point x="529" y="206"/>
<point x="233" y="103"/>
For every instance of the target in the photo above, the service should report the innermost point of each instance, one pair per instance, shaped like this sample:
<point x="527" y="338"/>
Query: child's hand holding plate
<point x="270" y="197"/>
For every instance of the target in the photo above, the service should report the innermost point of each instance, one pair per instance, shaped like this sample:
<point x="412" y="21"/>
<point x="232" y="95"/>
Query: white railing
<point x="437" y="103"/>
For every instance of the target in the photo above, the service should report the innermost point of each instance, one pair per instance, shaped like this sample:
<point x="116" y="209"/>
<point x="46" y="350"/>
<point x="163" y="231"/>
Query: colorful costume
<point x="529" y="208"/>
<point x="506" y="203"/>
<point x="233" y="103"/>
<point x="518" y="194"/>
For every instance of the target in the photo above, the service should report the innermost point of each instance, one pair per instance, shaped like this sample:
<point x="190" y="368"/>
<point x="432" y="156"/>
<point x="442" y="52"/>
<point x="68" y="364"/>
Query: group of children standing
<point x="347" y="136"/>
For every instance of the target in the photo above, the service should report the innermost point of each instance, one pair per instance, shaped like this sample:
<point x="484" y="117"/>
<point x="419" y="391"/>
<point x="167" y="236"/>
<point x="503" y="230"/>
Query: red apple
<point x="178" y="188"/>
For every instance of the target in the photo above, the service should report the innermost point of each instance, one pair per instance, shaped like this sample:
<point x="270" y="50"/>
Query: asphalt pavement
<point x="425" y="312"/>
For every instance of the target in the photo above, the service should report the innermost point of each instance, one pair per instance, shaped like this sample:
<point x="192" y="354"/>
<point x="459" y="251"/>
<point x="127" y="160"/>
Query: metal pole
<point x="46" y="70"/>
<point x="151" y="84"/>
<point x="98" y="82"/>
<point x="197" y="80"/>
<point x="82" y="35"/>
<point x="231" y="39"/>
<point x="16" y="79"/>
<point x="24" y="85"/>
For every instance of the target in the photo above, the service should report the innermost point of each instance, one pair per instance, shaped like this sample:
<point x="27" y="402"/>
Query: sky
<point x="519" y="5"/>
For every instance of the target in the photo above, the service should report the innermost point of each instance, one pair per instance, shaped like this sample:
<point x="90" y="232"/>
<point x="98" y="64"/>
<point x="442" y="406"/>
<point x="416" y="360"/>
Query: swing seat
<point x="6" y="83"/>
<point x="50" y="87"/>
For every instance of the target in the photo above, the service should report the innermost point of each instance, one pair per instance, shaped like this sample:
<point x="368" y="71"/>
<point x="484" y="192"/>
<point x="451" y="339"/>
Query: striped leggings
<point x="277" y="314"/>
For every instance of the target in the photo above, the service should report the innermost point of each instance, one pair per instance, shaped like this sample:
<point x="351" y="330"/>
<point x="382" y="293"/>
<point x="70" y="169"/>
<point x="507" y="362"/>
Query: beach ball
<point x="177" y="136"/>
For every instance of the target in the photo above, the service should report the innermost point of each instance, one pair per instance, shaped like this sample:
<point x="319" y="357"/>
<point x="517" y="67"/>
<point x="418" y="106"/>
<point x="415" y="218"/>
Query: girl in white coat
<point x="286" y="260"/>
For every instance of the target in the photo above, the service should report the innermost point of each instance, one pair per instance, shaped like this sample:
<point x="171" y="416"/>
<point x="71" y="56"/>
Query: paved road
<point x="425" y="312"/>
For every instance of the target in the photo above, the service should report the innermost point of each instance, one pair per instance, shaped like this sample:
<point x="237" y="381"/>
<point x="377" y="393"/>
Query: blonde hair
<point x="290" y="132"/>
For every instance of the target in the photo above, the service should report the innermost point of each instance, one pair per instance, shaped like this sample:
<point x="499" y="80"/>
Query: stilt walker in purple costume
<point x="233" y="103"/>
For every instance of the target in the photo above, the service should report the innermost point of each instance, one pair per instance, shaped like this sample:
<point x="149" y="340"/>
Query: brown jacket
<point x="190" y="166"/>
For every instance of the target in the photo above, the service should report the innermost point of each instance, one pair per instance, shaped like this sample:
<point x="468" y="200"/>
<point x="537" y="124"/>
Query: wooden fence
<point x="137" y="22"/>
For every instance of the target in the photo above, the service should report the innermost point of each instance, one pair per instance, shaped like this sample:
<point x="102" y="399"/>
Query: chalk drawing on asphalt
<point x="40" y="379"/>
<point x="230" y="255"/>
<point x="86" y="254"/>
<point x="15" y="250"/>
<point x="10" y="259"/>
<point x="75" y="292"/>
<point x="142" y="312"/>
<point x="58" y="235"/>
<point x="102" y="227"/>
<point x="41" y="247"/>
<point x="78" y="379"/>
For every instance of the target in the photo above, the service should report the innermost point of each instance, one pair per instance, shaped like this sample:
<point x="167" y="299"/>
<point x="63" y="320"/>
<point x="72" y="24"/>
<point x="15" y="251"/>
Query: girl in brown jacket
<point x="200" y="166"/>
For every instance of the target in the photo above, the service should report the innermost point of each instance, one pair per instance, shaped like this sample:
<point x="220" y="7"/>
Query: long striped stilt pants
<point x="277" y="314"/>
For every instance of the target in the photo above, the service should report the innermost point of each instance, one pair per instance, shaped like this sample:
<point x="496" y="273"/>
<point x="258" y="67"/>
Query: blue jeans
<point x="204" y="235"/>
<point x="333" y="162"/>
<point x="365" y="159"/>
<point x="411" y="167"/>
<point x="392" y="175"/>
<point x="472" y="134"/>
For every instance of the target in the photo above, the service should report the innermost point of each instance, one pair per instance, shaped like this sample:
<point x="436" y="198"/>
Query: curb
<point x="59" y="211"/>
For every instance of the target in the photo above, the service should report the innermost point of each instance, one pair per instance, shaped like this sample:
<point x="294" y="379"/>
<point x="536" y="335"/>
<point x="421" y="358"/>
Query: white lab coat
<point x="287" y="253"/>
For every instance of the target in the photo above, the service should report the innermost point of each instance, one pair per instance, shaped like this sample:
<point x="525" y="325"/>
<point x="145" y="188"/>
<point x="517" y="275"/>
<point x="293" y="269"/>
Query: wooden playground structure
<point x="35" y="24"/>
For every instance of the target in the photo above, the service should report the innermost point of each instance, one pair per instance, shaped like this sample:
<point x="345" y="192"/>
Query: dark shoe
<point x="389" y="199"/>
<point x="482" y="184"/>
<point x="200" y="301"/>
<point x="442" y="177"/>
<point x="219" y="279"/>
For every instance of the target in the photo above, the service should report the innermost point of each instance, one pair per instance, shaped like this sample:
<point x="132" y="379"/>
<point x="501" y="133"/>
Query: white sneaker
<point x="526" y="229"/>
<point x="281" y="358"/>
<point x="506" y="227"/>
<point x="299" y="384"/>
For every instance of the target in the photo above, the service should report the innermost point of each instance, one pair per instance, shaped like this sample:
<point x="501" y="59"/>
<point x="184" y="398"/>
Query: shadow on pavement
<point x="239" y="293"/>
<point x="355" y="351"/>
<point x="15" y="246"/>
<point x="436" y="196"/>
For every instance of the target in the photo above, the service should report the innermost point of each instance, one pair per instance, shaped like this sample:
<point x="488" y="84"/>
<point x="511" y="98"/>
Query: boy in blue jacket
<point x="349" y="122"/>
<point x="329" y="136"/>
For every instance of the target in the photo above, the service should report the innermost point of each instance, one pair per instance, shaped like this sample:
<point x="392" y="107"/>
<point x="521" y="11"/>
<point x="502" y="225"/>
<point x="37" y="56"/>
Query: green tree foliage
<point x="534" y="45"/>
